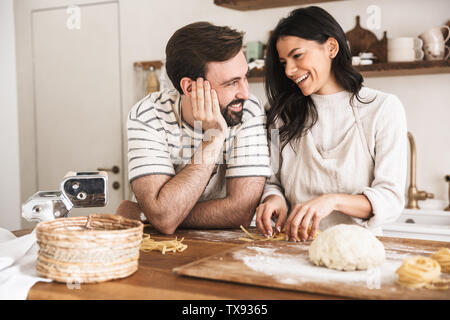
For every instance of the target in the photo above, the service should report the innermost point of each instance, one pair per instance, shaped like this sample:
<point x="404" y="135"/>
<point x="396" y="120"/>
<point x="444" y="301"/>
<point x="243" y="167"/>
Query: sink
<point x="430" y="222"/>
<point x="425" y="217"/>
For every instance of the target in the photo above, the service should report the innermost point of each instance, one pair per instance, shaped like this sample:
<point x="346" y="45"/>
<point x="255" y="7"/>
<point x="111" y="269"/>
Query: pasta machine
<point x="78" y="190"/>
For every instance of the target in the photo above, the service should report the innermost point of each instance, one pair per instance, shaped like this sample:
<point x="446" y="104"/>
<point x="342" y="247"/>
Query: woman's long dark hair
<point x="287" y="102"/>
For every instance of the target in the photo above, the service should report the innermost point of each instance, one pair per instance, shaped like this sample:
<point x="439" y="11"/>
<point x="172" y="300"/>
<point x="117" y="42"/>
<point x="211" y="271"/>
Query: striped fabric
<point x="160" y="143"/>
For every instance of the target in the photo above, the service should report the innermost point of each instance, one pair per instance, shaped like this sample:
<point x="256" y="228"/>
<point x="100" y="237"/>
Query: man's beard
<point x="232" y="117"/>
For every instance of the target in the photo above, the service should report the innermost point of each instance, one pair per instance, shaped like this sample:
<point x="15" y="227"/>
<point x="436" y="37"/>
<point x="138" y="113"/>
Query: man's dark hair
<point x="193" y="46"/>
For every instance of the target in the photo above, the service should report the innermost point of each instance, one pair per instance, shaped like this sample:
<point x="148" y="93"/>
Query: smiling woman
<point x="312" y="57"/>
<point x="307" y="50"/>
<point x="343" y="146"/>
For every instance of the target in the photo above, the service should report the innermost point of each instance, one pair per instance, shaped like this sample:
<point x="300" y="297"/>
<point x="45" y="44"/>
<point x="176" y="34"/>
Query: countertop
<point x="155" y="280"/>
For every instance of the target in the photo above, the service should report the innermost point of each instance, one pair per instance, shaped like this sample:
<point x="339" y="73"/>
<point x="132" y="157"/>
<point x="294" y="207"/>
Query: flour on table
<point x="262" y="250"/>
<point x="400" y="252"/>
<point x="296" y="269"/>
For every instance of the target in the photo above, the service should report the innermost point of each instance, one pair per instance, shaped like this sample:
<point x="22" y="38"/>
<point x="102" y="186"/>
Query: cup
<point x="436" y="51"/>
<point x="356" y="61"/>
<point x="405" y="43"/>
<point x="435" y="35"/>
<point x="366" y="55"/>
<point x="405" y="55"/>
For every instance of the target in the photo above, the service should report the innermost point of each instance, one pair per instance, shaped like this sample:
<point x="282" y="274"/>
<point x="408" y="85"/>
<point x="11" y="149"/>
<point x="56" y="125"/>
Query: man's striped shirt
<point x="161" y="142"/>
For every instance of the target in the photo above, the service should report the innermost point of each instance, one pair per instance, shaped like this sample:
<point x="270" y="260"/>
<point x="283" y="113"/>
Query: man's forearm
<point x="179" y="195"/>
<point x="230" y="212"/>
<point x="217" y="213"/>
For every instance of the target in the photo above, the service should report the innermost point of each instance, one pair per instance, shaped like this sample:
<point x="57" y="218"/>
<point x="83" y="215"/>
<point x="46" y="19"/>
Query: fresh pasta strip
<point x="274" y="237"/>
<point x="149" y="244"/>
<point x="246" y="239"/>
<point x="421" y="272"/>
<point x="443" y="258"/>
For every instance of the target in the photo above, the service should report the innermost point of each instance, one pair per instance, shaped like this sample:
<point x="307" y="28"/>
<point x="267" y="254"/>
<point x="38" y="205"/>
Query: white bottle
<point x="152" y="81"/>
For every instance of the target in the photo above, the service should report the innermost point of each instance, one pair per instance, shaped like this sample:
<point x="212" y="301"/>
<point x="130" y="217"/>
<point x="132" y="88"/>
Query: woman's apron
<point x="347" y="168"/>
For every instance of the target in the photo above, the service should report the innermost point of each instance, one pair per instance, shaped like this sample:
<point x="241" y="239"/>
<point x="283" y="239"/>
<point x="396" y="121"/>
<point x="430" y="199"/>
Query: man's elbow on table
<point x="162" y="221"/>
<point x="244" y="194"/>
<point x="245" y="213"/>
<point x="245" y="221"/>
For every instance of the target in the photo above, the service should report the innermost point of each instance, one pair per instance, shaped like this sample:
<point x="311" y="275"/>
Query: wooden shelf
<point x="373" y="70"/>
<point x="245" y="5"/>
<point x="385" y="69"/>
<point x="145" y="65"/>
<point x="405" y="68"/>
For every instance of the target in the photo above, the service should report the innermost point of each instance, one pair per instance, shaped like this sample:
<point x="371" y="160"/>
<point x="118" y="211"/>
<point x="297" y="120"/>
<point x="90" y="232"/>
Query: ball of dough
<point x="347" y="247"/>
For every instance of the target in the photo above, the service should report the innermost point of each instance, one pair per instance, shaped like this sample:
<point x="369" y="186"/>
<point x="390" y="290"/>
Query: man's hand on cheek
<point x="206" y="109"/>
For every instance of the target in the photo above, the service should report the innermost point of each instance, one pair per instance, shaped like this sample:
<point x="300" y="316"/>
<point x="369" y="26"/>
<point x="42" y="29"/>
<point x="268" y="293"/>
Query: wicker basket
<point x="95" y="248"/>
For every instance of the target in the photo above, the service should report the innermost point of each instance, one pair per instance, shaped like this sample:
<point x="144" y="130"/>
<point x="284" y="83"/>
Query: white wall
<point x="9" y="142"/>
<point x="147" y="25"/>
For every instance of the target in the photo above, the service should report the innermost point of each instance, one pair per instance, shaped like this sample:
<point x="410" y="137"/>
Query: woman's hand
<point x="306" y="213"/>
<point x="272" y="206"/>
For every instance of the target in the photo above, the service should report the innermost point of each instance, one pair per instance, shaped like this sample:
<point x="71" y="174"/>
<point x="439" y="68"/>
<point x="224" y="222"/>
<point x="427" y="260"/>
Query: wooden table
<point x="155" y="279"/>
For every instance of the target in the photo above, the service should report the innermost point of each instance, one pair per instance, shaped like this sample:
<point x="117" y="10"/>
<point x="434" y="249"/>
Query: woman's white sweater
<point x="384" y="125"/>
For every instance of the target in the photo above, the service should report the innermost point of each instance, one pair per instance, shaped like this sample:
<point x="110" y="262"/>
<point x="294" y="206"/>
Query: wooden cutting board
<point x="285" y="265"/>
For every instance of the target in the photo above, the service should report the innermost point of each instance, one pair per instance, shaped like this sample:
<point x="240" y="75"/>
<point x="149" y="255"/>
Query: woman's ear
<point x="186" y="86"/>
<point x="333" y="47"/>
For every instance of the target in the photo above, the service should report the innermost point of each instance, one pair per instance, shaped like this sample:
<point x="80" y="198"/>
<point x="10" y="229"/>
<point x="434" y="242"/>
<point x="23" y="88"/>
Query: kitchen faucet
<point x="447" y="178"/>
<point x="413" y="193"/>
